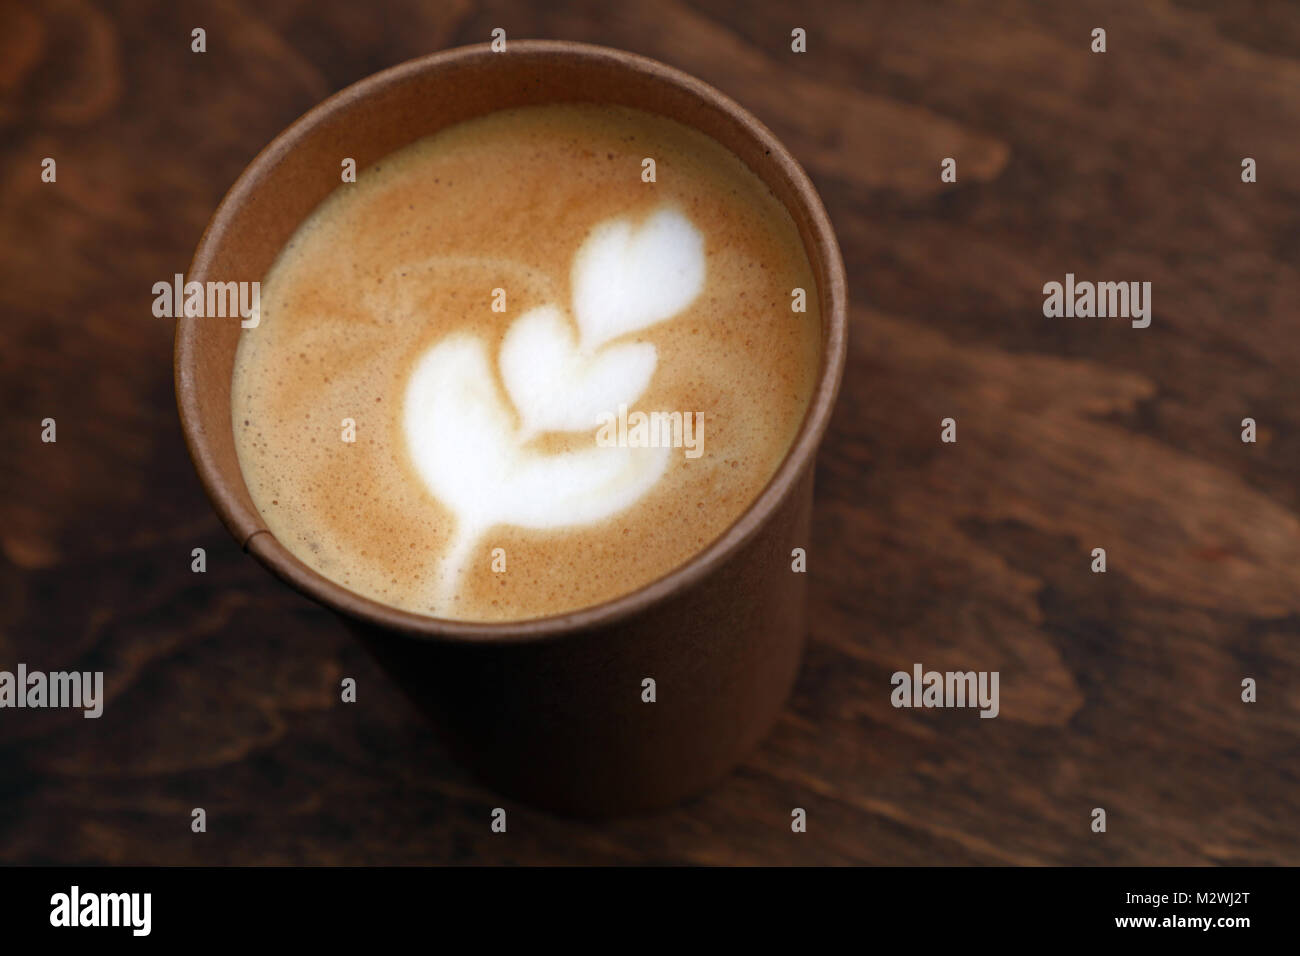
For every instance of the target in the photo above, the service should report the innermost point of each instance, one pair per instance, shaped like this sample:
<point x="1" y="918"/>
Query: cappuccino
<point x="526" y="365"/>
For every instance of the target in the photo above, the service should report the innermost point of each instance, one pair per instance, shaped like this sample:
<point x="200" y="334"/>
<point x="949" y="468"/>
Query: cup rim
<point x="263" y="544"/>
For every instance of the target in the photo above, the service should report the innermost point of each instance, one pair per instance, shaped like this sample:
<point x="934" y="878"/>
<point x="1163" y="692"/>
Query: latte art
<point x="405" y="438"/>
<point x="473" y="453"/>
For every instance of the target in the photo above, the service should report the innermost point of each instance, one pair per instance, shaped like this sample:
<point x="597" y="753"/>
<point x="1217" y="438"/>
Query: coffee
<point x="516" y="369"/>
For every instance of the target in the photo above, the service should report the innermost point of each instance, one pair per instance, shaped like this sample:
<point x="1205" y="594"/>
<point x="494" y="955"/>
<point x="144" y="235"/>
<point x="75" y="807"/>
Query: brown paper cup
<point x="548" y="711"/>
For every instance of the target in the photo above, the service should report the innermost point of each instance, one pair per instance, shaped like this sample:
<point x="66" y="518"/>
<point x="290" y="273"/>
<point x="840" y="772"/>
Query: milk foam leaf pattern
<point x="476" y="455"/>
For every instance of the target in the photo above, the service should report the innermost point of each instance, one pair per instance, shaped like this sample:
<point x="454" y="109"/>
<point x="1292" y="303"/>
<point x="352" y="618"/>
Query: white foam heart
<point x="626" y="278"/>
<point x="556" y="387"/>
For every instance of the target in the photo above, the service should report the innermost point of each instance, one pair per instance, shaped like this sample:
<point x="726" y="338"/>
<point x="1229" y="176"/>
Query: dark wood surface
<point x="1119" y="690"/>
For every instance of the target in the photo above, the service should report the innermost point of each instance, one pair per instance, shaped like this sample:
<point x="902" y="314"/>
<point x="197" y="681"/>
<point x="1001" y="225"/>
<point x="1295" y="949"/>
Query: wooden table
<point x="1119" y="690"/>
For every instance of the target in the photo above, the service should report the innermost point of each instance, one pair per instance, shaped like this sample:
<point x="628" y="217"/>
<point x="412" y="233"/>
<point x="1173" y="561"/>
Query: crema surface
<point x="502" y="376"/>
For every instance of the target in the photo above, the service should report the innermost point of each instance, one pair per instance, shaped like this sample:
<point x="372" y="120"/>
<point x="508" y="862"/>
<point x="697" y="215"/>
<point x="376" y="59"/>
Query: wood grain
<point x="1119" y="690"/>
